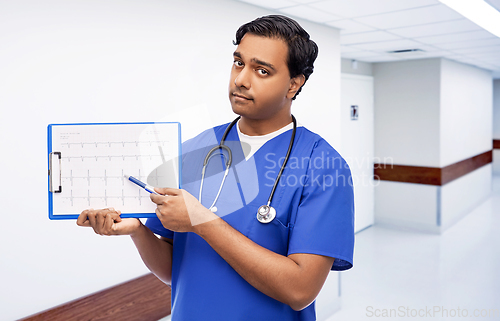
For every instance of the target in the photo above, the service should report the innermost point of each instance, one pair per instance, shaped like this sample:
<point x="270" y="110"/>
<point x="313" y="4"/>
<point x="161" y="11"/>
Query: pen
<point x="148" y="188"/>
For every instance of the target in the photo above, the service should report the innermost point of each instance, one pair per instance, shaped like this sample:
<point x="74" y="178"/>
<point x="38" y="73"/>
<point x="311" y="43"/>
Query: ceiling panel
<point x="370" y="28"/>
<point x="382" y="58"/>
<point x="344" y="49"/>
<point x="494" y="3"/>
<point x="437" y="53"/>
<point x="359" y="8"/>
<point x="360" y="55"/>
<point x="394" y="45"/>
<point x="469" y="44"/>
<point x="457" y="37"/>
<point x="365" y="37"/>
<point x="485" y="55"/>
<point x="303" y="1"/>
<point x="348" y="26"/>
<point x="412" y="17"/>
<point x="438" y="28"/>
<point x="274" y="4"/>
<point x="478" y="49"/>
<point x="484" y="65"/>
<point x="309" y="13"/>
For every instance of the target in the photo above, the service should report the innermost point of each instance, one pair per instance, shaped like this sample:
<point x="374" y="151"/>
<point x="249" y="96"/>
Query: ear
<point x="295" y="84"/>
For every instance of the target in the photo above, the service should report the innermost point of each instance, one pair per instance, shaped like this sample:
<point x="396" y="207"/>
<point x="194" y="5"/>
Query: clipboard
<point x="87" y="164"/>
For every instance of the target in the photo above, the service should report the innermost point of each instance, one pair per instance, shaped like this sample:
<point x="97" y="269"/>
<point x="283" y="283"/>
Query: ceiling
<point x="371" y="29"/>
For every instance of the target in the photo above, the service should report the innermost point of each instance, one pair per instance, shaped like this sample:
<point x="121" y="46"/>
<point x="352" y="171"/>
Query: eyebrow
<point x="257" y="61"/>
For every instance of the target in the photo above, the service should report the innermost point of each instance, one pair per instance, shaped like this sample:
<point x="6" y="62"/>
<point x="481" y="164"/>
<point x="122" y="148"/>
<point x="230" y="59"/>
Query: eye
<point x="262" y="72"/>
<point x="238" y="63"/>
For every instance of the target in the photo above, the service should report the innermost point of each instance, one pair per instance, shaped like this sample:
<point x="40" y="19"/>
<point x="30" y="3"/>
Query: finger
<point x="100" y="219"/>
<point x="157" y="199"/>
<point x="108" y="223"/>
<point x="82" y="219"/>
<point x="116" y="217"/>
<point x="105" y="215"/>
<point x="91" y="215"/>
<point x="158" y="213"/>
<point x="167" y="191"/>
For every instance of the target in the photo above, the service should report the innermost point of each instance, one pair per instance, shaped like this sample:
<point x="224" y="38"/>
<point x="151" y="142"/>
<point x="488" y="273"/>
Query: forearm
<point x="275" y="275"/>
<point x="155" y="253"/>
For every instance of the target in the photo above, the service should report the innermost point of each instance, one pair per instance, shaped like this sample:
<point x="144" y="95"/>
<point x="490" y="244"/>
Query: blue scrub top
<point x="314" y="203"/>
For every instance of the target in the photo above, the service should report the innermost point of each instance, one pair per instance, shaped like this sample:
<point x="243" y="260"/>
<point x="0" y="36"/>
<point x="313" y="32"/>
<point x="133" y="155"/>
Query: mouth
<point x="238" y="95"/>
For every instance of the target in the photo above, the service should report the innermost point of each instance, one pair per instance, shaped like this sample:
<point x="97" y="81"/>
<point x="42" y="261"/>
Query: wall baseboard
<point x="431" y="175"/>
<point x="145" y="298"/>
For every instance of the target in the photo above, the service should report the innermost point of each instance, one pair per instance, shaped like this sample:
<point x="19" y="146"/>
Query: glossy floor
<point x="402" y="275"/>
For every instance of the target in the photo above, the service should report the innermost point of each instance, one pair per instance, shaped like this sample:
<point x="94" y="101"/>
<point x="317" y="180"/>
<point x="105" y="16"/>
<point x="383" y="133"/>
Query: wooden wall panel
<point x="431" y="175"/>
<point x="496" y="144"/>
<point x="142" y="299"/>
<point x="454" y="171"/>
<point x="408" y="174"/>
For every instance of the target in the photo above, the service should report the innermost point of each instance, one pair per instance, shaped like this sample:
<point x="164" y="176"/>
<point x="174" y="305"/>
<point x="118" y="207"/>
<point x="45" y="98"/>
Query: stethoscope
<point x="266" y="213"/>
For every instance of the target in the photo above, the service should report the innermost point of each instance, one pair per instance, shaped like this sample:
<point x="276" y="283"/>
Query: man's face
<point x="260" y="84"/>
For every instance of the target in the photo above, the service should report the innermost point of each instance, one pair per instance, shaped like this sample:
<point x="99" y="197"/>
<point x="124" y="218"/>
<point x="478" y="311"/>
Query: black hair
<point x="302" y="51"/>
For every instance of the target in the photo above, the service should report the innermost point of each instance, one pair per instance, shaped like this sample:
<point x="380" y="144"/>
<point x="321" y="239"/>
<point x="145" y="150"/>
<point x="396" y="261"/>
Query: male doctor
<point x="228" y="265"/>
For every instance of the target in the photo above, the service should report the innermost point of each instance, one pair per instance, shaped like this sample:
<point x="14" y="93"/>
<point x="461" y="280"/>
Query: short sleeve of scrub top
<point x="154" y="224"/>
<point x="324" y="223"/>
<point x="188" y="148"/>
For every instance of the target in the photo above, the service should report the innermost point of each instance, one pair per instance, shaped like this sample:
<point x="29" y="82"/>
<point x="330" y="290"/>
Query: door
<point x="357" y="142"/>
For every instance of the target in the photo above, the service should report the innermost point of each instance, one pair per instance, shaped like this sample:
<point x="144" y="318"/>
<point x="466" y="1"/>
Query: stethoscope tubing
<point x="229" y="161"/>
<point x="276" y="181"/>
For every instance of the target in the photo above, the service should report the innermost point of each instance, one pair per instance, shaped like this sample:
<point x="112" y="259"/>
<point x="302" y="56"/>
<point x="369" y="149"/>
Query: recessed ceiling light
<point x="407" y="52"/>
<point x="479" y="12"/>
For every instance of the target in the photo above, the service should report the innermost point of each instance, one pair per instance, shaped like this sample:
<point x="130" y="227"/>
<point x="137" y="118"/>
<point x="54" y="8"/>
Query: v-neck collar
<point x="256" y="143"/>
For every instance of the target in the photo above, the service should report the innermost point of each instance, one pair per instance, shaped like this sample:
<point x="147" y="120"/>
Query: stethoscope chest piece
<point x="266" y="214"/>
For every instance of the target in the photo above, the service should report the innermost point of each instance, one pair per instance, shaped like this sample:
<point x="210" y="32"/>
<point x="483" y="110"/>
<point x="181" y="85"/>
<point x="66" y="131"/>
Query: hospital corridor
<point x="426" y="276"/>
<point x="127" y="125"/>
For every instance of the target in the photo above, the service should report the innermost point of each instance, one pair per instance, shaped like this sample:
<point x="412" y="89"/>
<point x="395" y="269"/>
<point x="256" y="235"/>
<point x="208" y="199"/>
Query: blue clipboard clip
<point x="55" y="172"/>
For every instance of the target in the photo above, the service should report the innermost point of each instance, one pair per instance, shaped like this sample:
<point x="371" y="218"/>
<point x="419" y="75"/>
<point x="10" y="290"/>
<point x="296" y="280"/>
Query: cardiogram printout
<point x="87" y="164"/>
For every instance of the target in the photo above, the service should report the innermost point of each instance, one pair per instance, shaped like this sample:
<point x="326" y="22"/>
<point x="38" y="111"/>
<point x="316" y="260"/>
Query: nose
<point x="242" y="78"/>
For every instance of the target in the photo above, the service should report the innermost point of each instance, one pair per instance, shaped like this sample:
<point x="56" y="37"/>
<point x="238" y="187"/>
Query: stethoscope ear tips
<point x="266" y="214"/>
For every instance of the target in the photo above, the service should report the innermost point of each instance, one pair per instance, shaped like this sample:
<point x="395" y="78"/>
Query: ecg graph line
<point x="140" y="193"/>
<point x="106" y="198"/>
<point x="136" y="143"/>
<point x="110" y="157"/>
<point x="156" y="178"/>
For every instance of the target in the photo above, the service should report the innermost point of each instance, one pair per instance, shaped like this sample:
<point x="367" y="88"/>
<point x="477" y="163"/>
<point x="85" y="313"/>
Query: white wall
<point x="496" y="162"/>
<point x="465" y="131"/>
<point x="407" y="133"/>
<point x="496" y="109"/>
<point x="406" y="205"/>
<point x="407" y="111"/>
<point x="461" y="196"/>
<point x="465" y="112"/>
<point x="431" y="113"/>
<point x="496" y="124"/>
<point x="358" y="68"/>
<point x="112" y="61"/>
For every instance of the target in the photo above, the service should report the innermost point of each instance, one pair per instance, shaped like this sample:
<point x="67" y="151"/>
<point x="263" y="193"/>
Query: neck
<point x="259" y="127"/>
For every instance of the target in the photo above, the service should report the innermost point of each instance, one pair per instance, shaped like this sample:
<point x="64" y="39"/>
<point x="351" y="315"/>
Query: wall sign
<point x="354" y="112"/>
